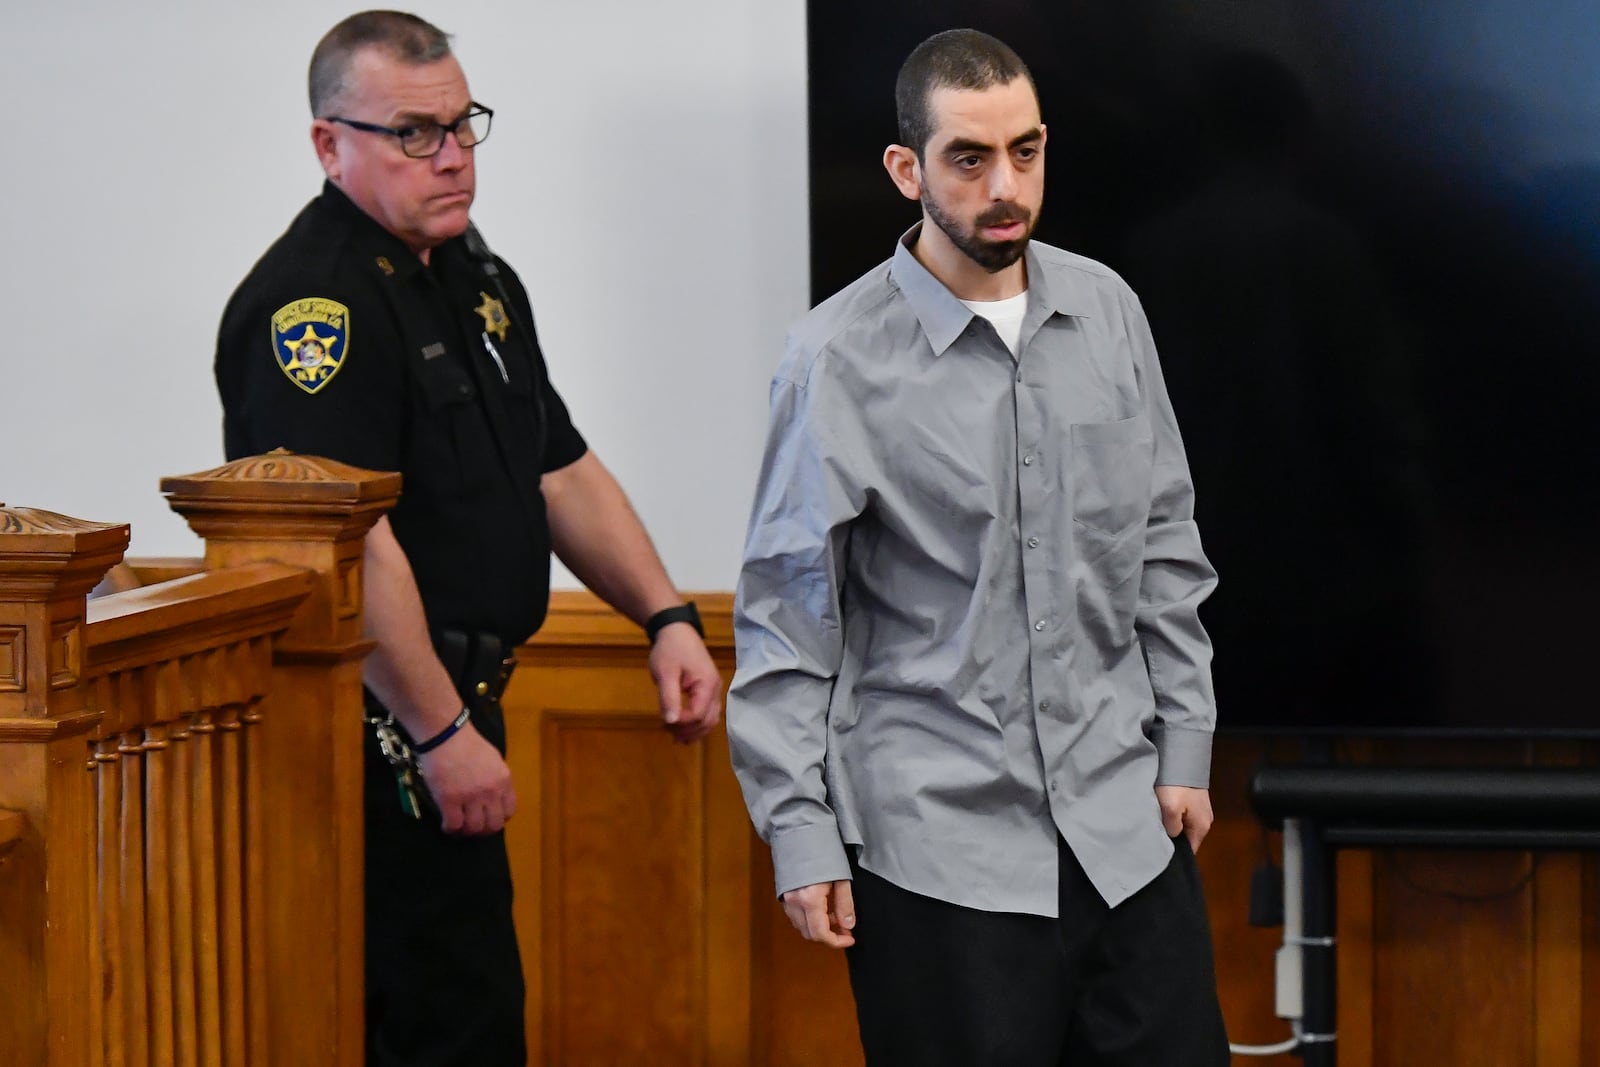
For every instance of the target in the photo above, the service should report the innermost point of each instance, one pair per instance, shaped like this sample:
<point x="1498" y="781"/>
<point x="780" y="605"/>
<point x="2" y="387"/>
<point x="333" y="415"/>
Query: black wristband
<point x="667" y="616"/>
<point x="443" y="735"/>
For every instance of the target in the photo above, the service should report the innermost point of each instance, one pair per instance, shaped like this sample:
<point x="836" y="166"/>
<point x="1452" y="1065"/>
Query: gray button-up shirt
<point x="967" y="614"/>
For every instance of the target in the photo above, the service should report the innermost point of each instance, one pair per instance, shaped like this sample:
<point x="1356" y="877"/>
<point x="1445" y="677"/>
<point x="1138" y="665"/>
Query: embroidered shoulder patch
<point x="311" y="339"/>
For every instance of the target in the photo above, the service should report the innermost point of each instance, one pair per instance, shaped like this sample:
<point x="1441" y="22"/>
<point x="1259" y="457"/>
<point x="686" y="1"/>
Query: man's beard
<point x="992" y="256"/>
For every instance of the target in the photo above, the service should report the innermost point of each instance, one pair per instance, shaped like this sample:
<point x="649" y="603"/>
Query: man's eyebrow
<point x="417" y="118"/>
<point x="962" y="144"/>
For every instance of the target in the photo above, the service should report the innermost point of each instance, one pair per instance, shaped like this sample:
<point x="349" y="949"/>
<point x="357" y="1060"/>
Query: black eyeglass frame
<point x="400" y="133"/>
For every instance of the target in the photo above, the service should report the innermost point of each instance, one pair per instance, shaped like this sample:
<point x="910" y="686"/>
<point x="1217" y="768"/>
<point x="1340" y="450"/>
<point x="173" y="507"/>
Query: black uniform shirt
<point x="341" y="343"/>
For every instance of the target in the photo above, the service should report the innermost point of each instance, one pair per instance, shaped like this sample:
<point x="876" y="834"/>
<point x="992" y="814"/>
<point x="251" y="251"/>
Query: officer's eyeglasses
<point x="425" y="140"/>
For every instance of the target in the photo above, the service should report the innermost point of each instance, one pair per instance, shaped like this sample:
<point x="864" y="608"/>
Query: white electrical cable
<point x="1265" y="1050"/>
<point x="1288" y="967"/>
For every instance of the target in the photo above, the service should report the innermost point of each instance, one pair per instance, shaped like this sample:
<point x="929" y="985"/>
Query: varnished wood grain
<point x="13" y="824"/>
<point x="258" y="947"/>
<point x="158" y="893"/>
<point x="624" y="905"/>
<point x="230" y="888"/>
<point x="131" y="897"/>
<point x="635" y="951"/>
<point x="139" y="857"/>
<point x="110" y="1027"/>
<point x="1589" y="994"/>
<point x="301" y="750"/>
<point x="205" y="919"/>
<point x="730" y="855"/>
<point x="185" y="1021"/>
<point x="1454" y="930"/>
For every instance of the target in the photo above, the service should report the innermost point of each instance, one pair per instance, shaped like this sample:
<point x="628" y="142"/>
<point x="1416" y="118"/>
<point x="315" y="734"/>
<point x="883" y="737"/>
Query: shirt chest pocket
<point x="1111" y="469"/>
<point x="452" y="449"/>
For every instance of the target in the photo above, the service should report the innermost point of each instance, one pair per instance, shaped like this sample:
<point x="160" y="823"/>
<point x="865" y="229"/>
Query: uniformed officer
<point x="380" y="331"/>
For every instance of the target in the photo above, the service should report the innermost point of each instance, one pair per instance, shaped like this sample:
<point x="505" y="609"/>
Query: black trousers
<point x="1133" y="986"/>
<point x="444" y="977"/>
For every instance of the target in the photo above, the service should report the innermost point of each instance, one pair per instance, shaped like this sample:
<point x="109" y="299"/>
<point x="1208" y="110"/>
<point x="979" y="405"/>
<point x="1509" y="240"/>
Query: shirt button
<point x="1019" y="376"/>
<point x="1027" y="461"/>
<point x="1052" y="785"/>
<point x="1033" y="542"/>
<point x="1039" y="626"/>
<point x="1044" y="705"/>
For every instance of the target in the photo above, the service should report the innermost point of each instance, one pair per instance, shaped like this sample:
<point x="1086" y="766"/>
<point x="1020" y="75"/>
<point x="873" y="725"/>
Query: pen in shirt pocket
<point x="488" y="346"/>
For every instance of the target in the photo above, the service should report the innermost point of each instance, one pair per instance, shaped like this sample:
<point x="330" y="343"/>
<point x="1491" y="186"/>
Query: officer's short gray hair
<point x="400" y="36"/>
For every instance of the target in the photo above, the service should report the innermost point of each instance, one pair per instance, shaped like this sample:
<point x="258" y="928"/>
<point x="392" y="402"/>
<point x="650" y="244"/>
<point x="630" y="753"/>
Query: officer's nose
<point x="451" y="156"/>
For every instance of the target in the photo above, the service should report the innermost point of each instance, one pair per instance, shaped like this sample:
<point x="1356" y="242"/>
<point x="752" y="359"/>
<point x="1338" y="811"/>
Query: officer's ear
<point x="325" y="139"/>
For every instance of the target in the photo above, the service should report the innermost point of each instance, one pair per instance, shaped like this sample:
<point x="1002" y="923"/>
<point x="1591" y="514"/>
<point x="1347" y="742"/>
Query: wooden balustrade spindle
<point x="186" y="1027"/>
<point x="255" y="868"/>
<point x="94" y="1009"/>
<point x="131" y="896"/>
<point x="208" y="1006"/>
<point x="230" y="888"/>
<point x="158" y="892"/>
<point x="107" y="999"/>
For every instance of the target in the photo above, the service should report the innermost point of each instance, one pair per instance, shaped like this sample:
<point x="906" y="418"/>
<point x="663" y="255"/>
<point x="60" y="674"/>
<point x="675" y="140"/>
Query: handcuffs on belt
<point x="408" y="776"/>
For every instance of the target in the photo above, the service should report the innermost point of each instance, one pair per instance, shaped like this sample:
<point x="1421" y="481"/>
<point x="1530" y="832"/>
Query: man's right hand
<point x="470" y="783"/>
<point x="823" y="912"/>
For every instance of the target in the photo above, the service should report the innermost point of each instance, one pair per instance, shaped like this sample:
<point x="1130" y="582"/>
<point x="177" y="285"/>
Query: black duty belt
<point x="478" y="663"/>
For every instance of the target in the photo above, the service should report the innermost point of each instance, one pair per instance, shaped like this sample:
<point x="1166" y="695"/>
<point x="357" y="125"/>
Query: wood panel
<point x="624" y="891"/>
<point x="1466" y="957"/>
<point x="1589" y="998"/>
<point x="1454" y="930"/>
<point x="628" y="867"/>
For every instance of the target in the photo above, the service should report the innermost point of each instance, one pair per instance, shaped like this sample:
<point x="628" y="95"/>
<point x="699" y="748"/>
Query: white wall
<point x="646" y="178"/>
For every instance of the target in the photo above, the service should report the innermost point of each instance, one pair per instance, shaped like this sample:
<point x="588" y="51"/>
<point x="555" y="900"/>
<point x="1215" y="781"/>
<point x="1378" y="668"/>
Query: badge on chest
<point x="494" y="316"/>
<point x="311" y="338"/>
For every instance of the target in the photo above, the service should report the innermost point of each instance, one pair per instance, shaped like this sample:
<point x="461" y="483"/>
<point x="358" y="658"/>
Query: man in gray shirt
<point x="973" y="710"/>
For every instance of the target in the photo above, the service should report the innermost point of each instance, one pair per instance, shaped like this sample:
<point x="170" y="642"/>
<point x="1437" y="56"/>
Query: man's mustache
<point x="1003" y="213"/>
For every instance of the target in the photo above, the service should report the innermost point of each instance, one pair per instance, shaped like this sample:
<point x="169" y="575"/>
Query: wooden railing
<point x="180" y="785"/>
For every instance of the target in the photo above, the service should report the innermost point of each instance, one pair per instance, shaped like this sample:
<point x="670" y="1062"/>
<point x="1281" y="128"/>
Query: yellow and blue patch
<point x="311" y="340"/>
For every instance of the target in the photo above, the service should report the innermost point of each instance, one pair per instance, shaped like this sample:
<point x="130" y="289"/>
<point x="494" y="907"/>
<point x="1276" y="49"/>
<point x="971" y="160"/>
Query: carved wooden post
<point x="48" y="564"/>
<point x="302" y="745"/>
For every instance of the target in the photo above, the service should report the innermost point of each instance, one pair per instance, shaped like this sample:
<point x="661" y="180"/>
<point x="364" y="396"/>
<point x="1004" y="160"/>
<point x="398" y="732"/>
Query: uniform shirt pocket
<point x="453" y="451"/>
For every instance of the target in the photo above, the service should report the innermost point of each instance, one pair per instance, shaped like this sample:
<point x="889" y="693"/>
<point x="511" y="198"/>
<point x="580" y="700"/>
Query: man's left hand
<point x="1185" y="810"/>
<point x="689" y="683"/>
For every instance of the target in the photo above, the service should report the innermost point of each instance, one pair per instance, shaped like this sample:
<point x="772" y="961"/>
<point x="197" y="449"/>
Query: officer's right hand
<point x="470" y="783"/>
<point x="823" y="912"/>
